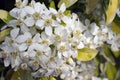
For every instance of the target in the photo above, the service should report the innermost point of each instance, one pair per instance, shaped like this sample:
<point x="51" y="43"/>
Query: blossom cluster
<point x="46" y="41"/>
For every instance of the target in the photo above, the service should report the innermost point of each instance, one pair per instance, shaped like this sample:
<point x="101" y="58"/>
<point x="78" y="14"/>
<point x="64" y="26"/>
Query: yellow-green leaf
<point x="110" y="71"/>
<point x="116" y="28"/>
<point x="16" y="75"/>
<point x="52" y="4"/>
<point x="68" y="3"/>
<point x="67" y="12"/>
<point x="116" y="54"/>
<point x="52" y="78"/>
<point x="21" y="75"/>
<point x="111" y="11"/>
<point x="86" y="54"/>
<point x="91" y="5"/>
<point x="108" y="54"/>
<point x="5" y="16"/>
<point x="43" y="78"/>
<point x="4" y="33"/>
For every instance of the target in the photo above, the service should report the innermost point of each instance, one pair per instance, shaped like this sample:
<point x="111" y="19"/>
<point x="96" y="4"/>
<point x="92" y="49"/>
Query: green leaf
<point x="108" y="54"/>
<point x="91" y="5"/>
<point x="111" y="11"/>
<point x="116" y="28"/>
<point x="116" y="54"/>
<point x="5" y="16"/>
<point x="21" y="75"/>
<point x="86" y="54"/>
<point x="110" y="71"/>
<point x="68" y="3"/>
<point x="67" y="12"/>
<point x="4" y="33"/>
<point x="43" y="78"/>
<point x="52" y="4"/>
<point x="52" y="78"/>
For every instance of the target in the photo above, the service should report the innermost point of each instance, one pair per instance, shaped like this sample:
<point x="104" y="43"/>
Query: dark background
<point x="7" y="4"/>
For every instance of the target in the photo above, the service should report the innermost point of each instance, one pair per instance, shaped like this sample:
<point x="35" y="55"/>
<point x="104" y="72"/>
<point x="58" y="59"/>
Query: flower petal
<point x="24" y="3"/>
<point x="14" y="32"/>
<point x="29" y="10"/>
<point x="23" y="47"/>
<point x="48" y="31"/>
<point x="36" y="38"/>
<point x="62" y="7"/>
<point x="40" y="24"/>
<point x="6" y="62"/>
<point x="29" y="21"/>
<point x="14" y="12"/>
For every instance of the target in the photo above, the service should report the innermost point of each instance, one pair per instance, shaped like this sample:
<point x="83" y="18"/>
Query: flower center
<point x="39" y="53"/>
<point x="18" y="4"/>
<point x="29" y="41"/>
<point x="4" y="55"/>
<point x="62" y="48"/>
<point x="58" y="38"/>
<point x="77" y="33"/>
<point x="36" y="15"/>
<point x="48" y="22"/>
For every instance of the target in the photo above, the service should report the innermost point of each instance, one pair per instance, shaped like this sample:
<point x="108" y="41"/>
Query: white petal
<point x="81" y="45"/>
<point x="38" y="47"/>
<point x="29" y="21"/>
<point x="43" y="35"/>
<point x="23" y="38"/>
<point x="24" y="28"/>
<point x="40" y="24"/>
<point x="28" y="35"/>
<point x="14" y="32"/>
<point x="66" y="19"/>
<point x="24" y="3"/>
<point x="6" y="62"/>
<point x="37" y="7"/>
<point x="32" y="53"/>
<point x="118" y="12"/>
<point x="14" y="12"/>
<point x="65" y="54"/>
<point x="23" y="47"/>
<point x="20" y="39"/>
<point x="13" y="23"/>
<point x="62" y="8"/>
<point x="94" y="29"/>
<point x="59" y="55"/>
<point x="87" y="22"/>
<point x="23" y="14"/>
<point x="48" y="31"/>
<point x="36" y="38"/>
<point x="29" y="10"/>
<point x="114" y="47"/>
<point x="52" y="10"/>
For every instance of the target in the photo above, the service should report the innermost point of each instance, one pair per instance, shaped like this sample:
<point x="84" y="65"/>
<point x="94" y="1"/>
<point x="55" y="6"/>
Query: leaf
<point x="111" y="11"/>
<point x="52" y="4"/>
<point x="52" y="78"/>
<point x="86" y="54"/>
<point x="67" y="12"/>
<point x="4" y="33"/>
<point x="110" y="71"/>
<point x="108" y="54"/>
<point x="116" y="54"/>
<point x="116" y="28"/>
<point x="21" y="75"/>
<point x="68" y="3"/>
<point x="5" y="16"/>
<point x="91" y="5"/>
<point x="43" y="78"/>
